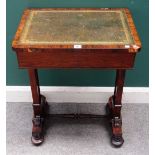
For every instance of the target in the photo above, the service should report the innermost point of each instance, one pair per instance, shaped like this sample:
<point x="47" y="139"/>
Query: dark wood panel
<point x="75" y="59"/>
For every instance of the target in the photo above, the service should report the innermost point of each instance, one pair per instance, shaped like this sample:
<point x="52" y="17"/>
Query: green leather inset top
<point x="97" y="27"/>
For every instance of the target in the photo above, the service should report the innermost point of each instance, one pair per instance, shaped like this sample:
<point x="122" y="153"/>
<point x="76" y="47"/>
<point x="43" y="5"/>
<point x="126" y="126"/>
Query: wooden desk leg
<point x="114" y="108"/>
<point x="39" y="105"/>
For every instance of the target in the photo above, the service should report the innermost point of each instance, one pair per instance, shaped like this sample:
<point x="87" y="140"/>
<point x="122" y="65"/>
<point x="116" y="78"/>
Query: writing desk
<point x="76" y="38"/>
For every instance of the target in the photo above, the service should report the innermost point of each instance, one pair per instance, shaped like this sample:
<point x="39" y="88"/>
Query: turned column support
<point x="114" y="107"/>
<point x="39" y="103"/>
<point x="117" y="98"/>
<point x="35" y="89"/>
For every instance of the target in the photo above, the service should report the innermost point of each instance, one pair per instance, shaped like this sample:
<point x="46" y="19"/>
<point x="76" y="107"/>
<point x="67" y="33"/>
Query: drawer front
<point x="75" y="59"/>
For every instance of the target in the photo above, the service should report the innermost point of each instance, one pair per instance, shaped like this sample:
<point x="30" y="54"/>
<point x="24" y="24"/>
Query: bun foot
<point x="37" y="140"/>
<point x="117" y="141"/>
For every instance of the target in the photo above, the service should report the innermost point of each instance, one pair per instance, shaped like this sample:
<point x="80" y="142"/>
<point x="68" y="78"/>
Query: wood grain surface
<point x="133" y="44"/>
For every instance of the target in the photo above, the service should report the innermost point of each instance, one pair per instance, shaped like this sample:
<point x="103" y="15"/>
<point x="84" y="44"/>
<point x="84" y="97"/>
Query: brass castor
<point x="117" y="140"/>
<point x="37" y="139"/>
<point x="37" y="131"/>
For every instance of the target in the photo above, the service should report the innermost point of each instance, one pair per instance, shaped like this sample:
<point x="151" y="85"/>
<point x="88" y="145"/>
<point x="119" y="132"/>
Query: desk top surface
<point x="77" y="28"/>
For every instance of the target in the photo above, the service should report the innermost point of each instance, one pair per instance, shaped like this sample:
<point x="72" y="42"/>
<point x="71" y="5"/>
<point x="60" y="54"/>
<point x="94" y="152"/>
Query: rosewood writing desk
<point x="76" y="38"/>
